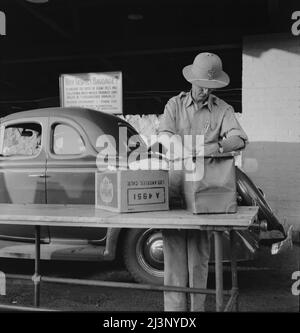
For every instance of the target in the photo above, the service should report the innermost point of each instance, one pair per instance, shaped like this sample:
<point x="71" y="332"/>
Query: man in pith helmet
<point x="196" y="112"/>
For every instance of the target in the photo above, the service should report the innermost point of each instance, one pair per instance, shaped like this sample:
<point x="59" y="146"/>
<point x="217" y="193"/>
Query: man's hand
<point x="211" y="148"/>
<point x="233" y="143"/>
<point x="175" y="150"/>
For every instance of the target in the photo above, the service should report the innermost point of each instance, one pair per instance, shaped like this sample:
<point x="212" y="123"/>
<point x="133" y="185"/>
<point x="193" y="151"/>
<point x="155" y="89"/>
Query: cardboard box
<point x="216" y="192"/>
<point x="132" y="191"/>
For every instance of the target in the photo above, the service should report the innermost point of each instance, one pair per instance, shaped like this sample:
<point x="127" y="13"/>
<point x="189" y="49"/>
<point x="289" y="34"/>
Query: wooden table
<point x="88" y="216"/>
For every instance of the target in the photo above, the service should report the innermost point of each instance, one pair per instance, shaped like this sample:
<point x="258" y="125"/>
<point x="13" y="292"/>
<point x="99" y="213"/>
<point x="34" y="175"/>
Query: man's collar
<point x="189" y="99"/>
<point x="209" y="101"/>
<point x="212" y="100"/>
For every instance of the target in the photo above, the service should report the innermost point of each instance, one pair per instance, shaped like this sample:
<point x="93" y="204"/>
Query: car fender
<point x="250" y="195"/>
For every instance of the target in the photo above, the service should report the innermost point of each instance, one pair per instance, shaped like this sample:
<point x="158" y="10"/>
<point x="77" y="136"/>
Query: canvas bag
<point x="216" y="191"/>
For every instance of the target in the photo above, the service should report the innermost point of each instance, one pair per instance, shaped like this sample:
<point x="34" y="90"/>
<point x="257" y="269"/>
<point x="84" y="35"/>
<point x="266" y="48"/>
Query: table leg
<point x="234" y="277"/>
<point x="36" y="277"/>
<point x="218" y="237"/>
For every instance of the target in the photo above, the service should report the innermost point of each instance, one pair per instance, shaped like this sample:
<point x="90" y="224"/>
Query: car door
<point x="23" y="171"/>
<point x="70" y="173"/>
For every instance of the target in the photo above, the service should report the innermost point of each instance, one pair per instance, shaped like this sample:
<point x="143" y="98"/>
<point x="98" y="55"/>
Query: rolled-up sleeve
<point x="167" y="121"/>
<point x="231" y="126"/>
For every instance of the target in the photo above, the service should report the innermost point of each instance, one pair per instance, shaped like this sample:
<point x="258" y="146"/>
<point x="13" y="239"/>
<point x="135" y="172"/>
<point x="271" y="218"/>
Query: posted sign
<point x="98" y="91"/>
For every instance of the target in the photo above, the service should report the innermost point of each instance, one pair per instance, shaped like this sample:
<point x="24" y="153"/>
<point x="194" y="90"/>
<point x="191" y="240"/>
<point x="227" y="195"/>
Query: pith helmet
<point x="206" y="71"/>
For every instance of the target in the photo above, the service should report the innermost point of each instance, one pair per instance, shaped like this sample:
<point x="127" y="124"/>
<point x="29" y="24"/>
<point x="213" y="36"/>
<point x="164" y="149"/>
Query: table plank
<point x="89" y="216"/>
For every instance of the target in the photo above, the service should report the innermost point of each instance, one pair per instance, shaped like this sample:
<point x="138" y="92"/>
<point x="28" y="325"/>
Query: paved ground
<point x="265" y="286"/>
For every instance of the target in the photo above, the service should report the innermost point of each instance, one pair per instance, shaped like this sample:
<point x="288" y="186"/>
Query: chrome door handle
<point x="39" y="175"/>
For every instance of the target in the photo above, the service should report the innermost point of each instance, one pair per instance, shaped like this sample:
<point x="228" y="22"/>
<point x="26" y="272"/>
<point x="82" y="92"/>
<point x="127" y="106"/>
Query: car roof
<point x="93" y="122"/>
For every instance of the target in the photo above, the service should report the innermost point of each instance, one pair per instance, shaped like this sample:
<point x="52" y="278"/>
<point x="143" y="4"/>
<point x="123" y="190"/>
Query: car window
<point x="22" y="139"/>
<point x="66" y="140"/>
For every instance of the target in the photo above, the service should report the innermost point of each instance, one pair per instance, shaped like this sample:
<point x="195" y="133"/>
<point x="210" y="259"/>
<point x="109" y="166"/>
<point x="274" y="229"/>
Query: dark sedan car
<point x="49" y="156"/>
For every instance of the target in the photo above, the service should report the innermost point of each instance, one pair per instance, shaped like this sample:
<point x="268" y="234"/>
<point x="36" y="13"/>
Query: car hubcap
<point x="149" y="251"/>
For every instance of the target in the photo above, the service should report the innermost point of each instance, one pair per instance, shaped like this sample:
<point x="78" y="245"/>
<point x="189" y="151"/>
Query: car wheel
<point x="143" y="255"/>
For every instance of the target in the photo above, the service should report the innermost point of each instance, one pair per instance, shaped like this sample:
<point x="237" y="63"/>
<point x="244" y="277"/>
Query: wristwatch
<point x="221" y="149"/>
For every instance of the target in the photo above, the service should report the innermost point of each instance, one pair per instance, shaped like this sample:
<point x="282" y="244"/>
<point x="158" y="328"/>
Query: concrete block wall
<point x="271" y="118"/>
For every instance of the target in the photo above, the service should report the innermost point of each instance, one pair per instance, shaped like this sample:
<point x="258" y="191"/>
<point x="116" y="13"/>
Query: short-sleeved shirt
<point x="215" y="119"/>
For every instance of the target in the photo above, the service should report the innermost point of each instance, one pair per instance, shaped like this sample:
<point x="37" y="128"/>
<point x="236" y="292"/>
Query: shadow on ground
<point x="265" y="286"/>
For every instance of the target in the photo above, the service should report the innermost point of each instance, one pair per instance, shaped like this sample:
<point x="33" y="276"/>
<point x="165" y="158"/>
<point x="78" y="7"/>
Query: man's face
<point x="200" y="94"/>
